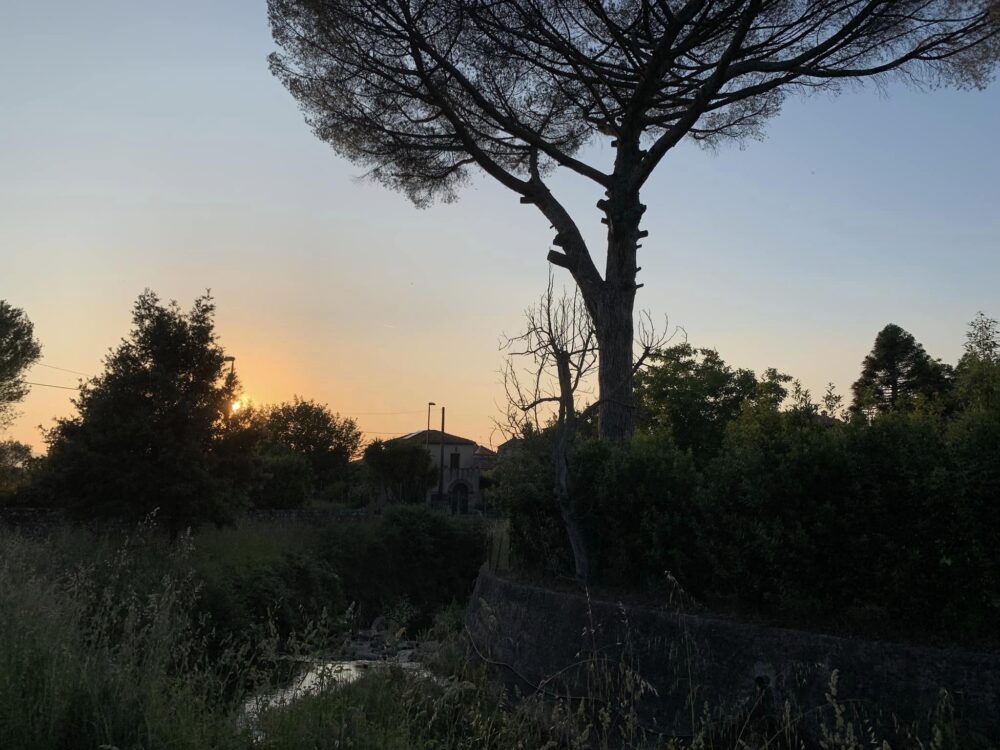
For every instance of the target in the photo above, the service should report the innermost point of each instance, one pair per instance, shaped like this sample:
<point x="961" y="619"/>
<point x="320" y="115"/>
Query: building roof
<point x="508" y="445"/>
<point x="433" y="437"/>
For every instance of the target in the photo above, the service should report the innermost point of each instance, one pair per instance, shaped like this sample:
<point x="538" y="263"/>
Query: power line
<point x="384" y="413"/>
<point x="49" y="385"/>
<point x="63" y="369"/>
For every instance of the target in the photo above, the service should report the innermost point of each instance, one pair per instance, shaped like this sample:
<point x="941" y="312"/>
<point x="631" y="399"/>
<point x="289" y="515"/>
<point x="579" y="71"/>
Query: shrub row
<point x="410" y="556"/>
<point x="890" y="528"/>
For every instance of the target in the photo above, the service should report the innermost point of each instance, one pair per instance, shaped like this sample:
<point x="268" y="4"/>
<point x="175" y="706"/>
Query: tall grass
<point x="108" y="642"/>
<point x="101" y="647"/>
<point x="87" y="661"/>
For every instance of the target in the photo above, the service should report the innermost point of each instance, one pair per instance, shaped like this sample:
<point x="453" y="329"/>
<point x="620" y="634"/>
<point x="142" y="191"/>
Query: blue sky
<point x="146" y="145"/>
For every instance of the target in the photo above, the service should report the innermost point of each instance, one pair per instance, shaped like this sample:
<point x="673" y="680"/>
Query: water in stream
<point x="322" y="676"/>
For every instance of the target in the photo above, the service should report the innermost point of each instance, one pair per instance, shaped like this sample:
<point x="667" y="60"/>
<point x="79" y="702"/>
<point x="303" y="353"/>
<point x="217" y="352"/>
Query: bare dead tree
<point x="560" y="345"/>
<point x="421" y="92"/>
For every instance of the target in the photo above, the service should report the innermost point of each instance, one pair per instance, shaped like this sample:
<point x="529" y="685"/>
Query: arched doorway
<point x="459" y="496"/>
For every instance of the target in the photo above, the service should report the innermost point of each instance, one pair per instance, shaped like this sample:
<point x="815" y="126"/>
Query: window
<point x="455" y="458"/>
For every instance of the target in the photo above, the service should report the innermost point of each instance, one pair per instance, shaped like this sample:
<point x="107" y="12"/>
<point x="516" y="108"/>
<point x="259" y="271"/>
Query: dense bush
<point x="285" y="480"/>
<point x="288" y="592"/>
<point x="291" y="576"/>
<point x="523" y="488"/>
<point x="890" y="528"/>
<point x="400" y="472"/>
<point x="643" y="493"/>
<point x="410" y="554"/>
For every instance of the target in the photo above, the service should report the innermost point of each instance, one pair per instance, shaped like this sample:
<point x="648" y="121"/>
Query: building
<point x="458" y="488"/>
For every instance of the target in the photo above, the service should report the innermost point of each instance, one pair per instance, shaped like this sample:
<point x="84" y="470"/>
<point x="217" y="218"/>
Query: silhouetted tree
<point x="977" y="377"/>
<point x="833" y="402"/>
<point x="896" y="372"/>
<point x="326" y="440"/>
<point x="19" y="350"/>
<point x="694" y="394"/>
<point x="151" y="433"/>
<point x="15" y="459"/>
<point x="402" y="471"/>
<point x="560" y="342"/>
<point x="422" y="92"/>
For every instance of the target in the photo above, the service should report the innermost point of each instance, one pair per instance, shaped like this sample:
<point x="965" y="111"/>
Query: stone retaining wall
<point x="536" y="633"/>
<point x="41" y="519"/>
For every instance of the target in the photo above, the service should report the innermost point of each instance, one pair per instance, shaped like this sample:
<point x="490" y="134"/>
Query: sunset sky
<point x="146" y="145"/>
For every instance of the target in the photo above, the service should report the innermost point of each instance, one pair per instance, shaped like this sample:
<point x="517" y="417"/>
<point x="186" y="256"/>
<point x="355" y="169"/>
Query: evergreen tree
<point x="151" y="431"/>
<point x="897" y="372"/>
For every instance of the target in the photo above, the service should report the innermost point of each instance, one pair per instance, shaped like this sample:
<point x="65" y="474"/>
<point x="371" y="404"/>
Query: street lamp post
<point x="441" y="474"/>
<point x="235" y="406"/>
<point x="427" y="434"/>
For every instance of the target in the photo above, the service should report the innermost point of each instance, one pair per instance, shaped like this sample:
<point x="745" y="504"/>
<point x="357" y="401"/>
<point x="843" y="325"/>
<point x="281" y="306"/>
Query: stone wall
<point x="533" y="633"/>
<point x="40" y="520"/>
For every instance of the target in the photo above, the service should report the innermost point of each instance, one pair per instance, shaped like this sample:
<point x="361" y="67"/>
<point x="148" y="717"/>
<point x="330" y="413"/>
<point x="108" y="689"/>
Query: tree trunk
<point x="613" y="321"/>
<point x="614" y="329"/>
<point x="570" y="517"/>
<point x="562" y="450"/>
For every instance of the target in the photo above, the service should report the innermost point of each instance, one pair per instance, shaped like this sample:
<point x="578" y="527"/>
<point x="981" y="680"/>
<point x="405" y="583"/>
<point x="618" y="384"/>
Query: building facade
<point x="455" y="459"/>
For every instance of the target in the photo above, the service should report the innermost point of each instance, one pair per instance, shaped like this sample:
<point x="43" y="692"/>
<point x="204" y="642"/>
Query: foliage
<point x="15" y="466"/>
<point x="150" y="433"/>
<point x="977" y="376"/>
<point x="89" y="661"/>
<point x="326" y="440"/>
<point x="286" y="593"/>
<point x="897" y="373"/>
<point x="522" y="489"/>
<point x="693" y="394"/>
<point x="411" y="553"/>
<point x="641" y="492"/>
<point x="101" y="647"/>
<point x="886" y="527"/>
<point x="402" y="471"/>
<point x="285" y="479"/>
<point x="464" y="708"/>
<point x="19" y="350"/>
<point x="560" y="347"/>
<point x="633" y="500"/>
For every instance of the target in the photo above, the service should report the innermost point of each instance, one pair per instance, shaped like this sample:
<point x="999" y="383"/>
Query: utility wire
<point x="385" y="413"/>
<point x="49" y="385"/>
<point x="63" y="369"/>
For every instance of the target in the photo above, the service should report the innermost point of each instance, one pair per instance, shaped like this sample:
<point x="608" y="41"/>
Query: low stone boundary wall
<point x="42" y="519"/>
<point x="535" y="633"/>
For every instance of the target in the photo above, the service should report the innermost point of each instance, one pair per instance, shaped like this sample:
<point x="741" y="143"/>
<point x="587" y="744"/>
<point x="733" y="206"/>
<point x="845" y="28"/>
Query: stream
<point x="364" y="653"/>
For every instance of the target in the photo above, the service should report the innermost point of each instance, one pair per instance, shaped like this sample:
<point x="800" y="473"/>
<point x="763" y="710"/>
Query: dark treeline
<point x="116" y="634"/>
<point x="163" y="431"/>
<point x="880" y="516"/>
